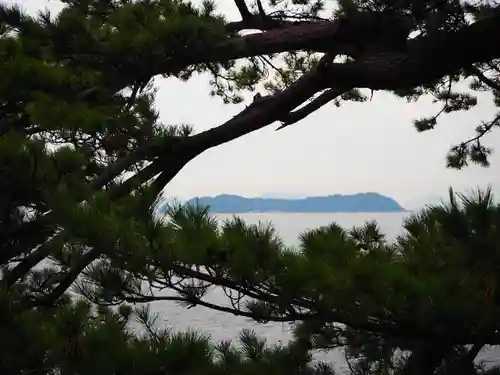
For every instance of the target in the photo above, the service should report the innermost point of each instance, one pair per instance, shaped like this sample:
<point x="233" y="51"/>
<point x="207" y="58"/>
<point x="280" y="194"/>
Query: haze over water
<point x="289" y="226"/>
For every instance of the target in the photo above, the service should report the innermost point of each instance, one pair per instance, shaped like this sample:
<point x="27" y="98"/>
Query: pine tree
<point x="83" y="158"/>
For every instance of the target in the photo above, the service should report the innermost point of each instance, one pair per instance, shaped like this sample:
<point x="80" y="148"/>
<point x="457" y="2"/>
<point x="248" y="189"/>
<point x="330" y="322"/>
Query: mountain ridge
<point x="360" y="202"/>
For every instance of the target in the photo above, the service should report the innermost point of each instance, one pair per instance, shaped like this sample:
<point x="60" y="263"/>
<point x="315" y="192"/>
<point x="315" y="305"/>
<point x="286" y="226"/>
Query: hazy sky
<point x="355" y="148"/>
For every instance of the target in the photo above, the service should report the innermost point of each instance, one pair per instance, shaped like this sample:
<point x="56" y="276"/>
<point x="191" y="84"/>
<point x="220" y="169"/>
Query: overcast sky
<point x="355" y="148"/>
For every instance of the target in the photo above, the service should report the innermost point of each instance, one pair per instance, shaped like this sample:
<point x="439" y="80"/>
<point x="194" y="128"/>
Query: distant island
<point x="362" y="202"/>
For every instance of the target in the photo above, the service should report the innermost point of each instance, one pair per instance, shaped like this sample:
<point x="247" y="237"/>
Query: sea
<point x="289" y="226"/>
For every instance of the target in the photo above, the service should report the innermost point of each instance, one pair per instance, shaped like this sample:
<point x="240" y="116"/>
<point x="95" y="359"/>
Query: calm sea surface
<point x="223" y="326"/>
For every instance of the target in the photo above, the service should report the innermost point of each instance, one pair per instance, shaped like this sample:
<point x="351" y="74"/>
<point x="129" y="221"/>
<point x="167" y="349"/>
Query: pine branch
<point x="323" y="36"/>
<point x="301" y="113"/>
<point x="480" y="75"/>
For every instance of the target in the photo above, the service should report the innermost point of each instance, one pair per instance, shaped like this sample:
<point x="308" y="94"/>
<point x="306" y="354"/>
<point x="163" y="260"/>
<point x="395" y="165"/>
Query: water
<point x="222" y="326"/>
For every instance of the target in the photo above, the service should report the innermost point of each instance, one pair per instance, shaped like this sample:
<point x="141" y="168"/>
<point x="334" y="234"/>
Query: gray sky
<point x="355" y="148"/>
